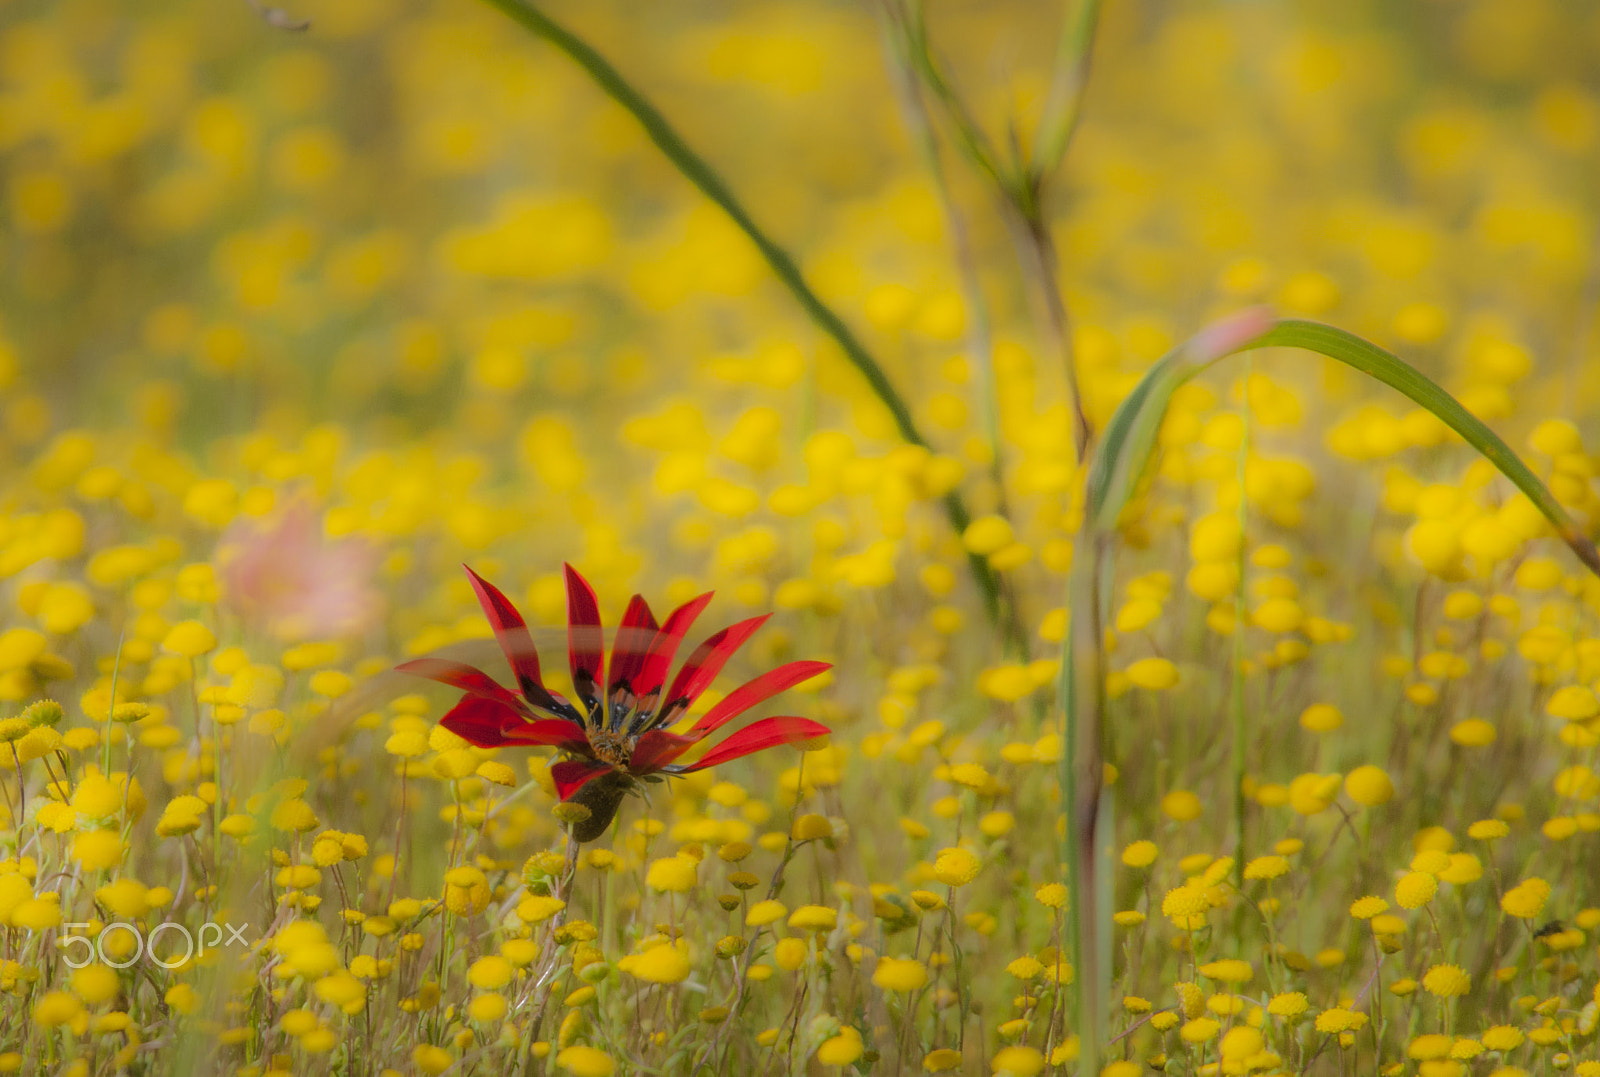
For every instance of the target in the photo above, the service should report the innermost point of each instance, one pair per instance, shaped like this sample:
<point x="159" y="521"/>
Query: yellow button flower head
<point x="956" y="867"/>
<point x="96" y="797"/>
<point x="1311" y="794"/>
<point x="663" y="963"/>
<point x="1488" y="830"/>
<point x="1016" y="1062"/>
<point x="1574" y="702"/>
<point x="987" y="535"/>
<point x="814" y="918"/>
<point x="763" y="913"/>
<point x="191" y="639"/>
<point x="672" y="874"/>
<point x="1526" y="900"/>
<point x="1430" y="1046"/>
<point x="1025" y="967"/>
<point x="431" y="1060"/>
<point x="55" y="1009"/>
<point x="1369" y="786"/>
<point x="466" y="891"/>
<point x="182" y="816"/>
<point x="1446" y="981"/>
<point x="1340" y="1019"/>
<point x="125" y="898"/>
<point x="95" y="983"/>
<point x="841" y="1050"/>
<point x="1229" y="970"/>
<point x="343" y="990"/>
<point x="19" y="647"/>
<point x="490" y="973"/>
<point x="901" y="975"/>
<point x="583" y="1061"/>
<point x="1321" y="718"/>
<point x="1052" y="895"/>
<point x="1140" y="854"/>
<point x="1191" y="1000"/>
<point x="489" y="1008"/>
<point x="1368" y="907"/>
<point x="1463" y="868"/>
<point x="811" y="827"/>
<point x="327" y="850"/>
<point x="1502" y="1038"/>
<point x="1153" y="674"/>
<point x="1266" y="867"/>
<point x="1289" y="1004"/>
<point x="407" y="743"/>
<point x="1181" y="806"/>
<point x="789" y="954"/>
<point x="99" y="849"/>
<point x="1473" y="733"/>
<point x="1415" y="889"/>
<point x="1240" y="1043"/>
<point x="1184" y="905"/>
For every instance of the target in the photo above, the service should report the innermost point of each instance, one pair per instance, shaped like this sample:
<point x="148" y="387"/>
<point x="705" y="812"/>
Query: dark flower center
<point x="612" y="746"/>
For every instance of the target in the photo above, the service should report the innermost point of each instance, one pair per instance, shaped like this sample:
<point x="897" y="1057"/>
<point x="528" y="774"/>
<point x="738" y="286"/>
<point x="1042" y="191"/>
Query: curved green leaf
<point x="1130" y="436"/>
<point x="1125" y="451"/>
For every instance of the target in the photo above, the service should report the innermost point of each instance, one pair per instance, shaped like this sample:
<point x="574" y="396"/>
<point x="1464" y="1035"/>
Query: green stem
<point x="980" y="336"/>
<point x="1237" y="650"/>
<point x="1064" y="108"/>
<point x="1120" y="460"/>
<point x="696" y="169"/>
<point x="1080" y="774"/>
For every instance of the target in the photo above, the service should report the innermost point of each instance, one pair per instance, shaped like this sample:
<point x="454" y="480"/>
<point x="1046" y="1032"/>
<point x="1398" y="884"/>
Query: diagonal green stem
<point x="696" y="169"/>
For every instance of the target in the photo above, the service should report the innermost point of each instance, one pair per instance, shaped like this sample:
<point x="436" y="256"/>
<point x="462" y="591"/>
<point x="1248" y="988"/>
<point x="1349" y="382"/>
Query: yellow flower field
<point x="1144" y="688"/>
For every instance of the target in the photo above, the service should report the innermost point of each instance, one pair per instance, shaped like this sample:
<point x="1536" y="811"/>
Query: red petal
<point x="705" y="663"/>
<point x="482" y="721"/>
<point x="550" y="732"/>
<point x="512" y="632"/>
<point x="570" y="775"/>
<point x="665" y="646"/>
<point x="748" y="695"/>
<point x="758" y="736"/>
<point x="585" y="641"/>
<point x="656" y="749"/>
<point x="631" y="648"/>
<point x="469" y="679"/>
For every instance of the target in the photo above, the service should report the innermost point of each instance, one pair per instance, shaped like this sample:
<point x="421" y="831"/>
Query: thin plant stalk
<point x="1036" y="249"/>
<point x="1063" y="108"/>
<point x="710" y="183"/>
<point x="980" y="336"/>
<point x="1022" y="183"/>
<point x="1236" y="655"/>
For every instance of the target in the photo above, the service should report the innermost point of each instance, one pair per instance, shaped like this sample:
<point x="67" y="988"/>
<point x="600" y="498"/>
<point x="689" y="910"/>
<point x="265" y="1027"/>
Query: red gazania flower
<point x="617" y="737"/>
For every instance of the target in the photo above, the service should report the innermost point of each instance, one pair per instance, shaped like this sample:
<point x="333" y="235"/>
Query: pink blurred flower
<point x="281" y="574"/>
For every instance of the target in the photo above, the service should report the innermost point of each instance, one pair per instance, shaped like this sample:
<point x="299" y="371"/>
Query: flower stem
<point x="1236" y="656"/>
<point x="711" y="184"/>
